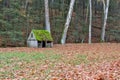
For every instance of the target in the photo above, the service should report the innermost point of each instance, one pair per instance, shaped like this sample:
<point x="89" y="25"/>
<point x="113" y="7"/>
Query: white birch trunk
<point x="63" y="40"/>
<point x="90" y="22"/>
<point x="47" y="22"/>
<point x="106" y="7"/>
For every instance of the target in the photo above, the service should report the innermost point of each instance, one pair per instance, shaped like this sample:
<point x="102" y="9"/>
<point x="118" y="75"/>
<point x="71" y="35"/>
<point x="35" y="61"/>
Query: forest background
<point x="19" y="17"/>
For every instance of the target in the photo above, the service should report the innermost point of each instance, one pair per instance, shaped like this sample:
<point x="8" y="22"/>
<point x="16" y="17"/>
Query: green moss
<point x="42" y="35"/>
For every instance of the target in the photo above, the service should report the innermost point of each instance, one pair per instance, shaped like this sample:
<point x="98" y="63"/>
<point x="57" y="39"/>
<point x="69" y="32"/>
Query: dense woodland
<point x="19" y="17"/>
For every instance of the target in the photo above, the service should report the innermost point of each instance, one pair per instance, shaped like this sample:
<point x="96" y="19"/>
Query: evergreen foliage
<point x="18" y="18"/>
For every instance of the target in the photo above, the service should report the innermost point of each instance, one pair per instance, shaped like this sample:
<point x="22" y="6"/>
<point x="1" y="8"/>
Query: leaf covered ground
<point x="62" y="62"/>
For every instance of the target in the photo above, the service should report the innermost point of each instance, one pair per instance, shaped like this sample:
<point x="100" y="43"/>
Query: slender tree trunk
<point x="90" y="22"/>
<point x="67" y="22"/>
<point x="47" y="22"/>
<point x="106" y="7"/>
<point x="27" y="18"/>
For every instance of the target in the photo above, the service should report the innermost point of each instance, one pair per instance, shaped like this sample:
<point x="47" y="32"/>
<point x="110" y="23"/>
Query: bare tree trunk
<point x="67" y="22"/>
<point x="27" y="17"/>
<point x="47" y="22"/>
<point x="90" y="22"/>
<point x="106" y="7"/>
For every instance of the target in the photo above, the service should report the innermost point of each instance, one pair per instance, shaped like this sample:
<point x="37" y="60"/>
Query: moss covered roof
<point x="42" y="35"/>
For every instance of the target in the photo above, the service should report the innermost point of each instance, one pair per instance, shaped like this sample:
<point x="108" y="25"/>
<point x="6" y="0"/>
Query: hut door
<point x="43" y="44"/>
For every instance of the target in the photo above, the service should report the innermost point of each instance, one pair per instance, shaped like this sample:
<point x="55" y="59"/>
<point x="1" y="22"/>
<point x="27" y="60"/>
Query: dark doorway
<point x="43" y="44"/>
<point x="39" y="44"/>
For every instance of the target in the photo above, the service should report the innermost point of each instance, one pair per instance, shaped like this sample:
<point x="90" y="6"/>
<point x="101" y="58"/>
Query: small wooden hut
<point x="40" y="39"/>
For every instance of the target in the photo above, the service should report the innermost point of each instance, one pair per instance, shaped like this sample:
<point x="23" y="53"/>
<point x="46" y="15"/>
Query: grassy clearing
<point x="14" y="57"/>
<point x="79" y="58"/>
<point x="38" y="65"/>
<point x="12" y="62"/>
<point x="68" y="62"/>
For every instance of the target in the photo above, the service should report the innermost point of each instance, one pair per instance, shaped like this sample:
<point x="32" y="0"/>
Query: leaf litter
<point x="100" y="61"/>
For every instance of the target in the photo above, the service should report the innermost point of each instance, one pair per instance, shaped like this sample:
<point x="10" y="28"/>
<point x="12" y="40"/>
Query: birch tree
<point x="105" y="7"/>
<point x="47" y="22"/>
<point x="90" y="21"/>
<point x="63" y="40"/>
